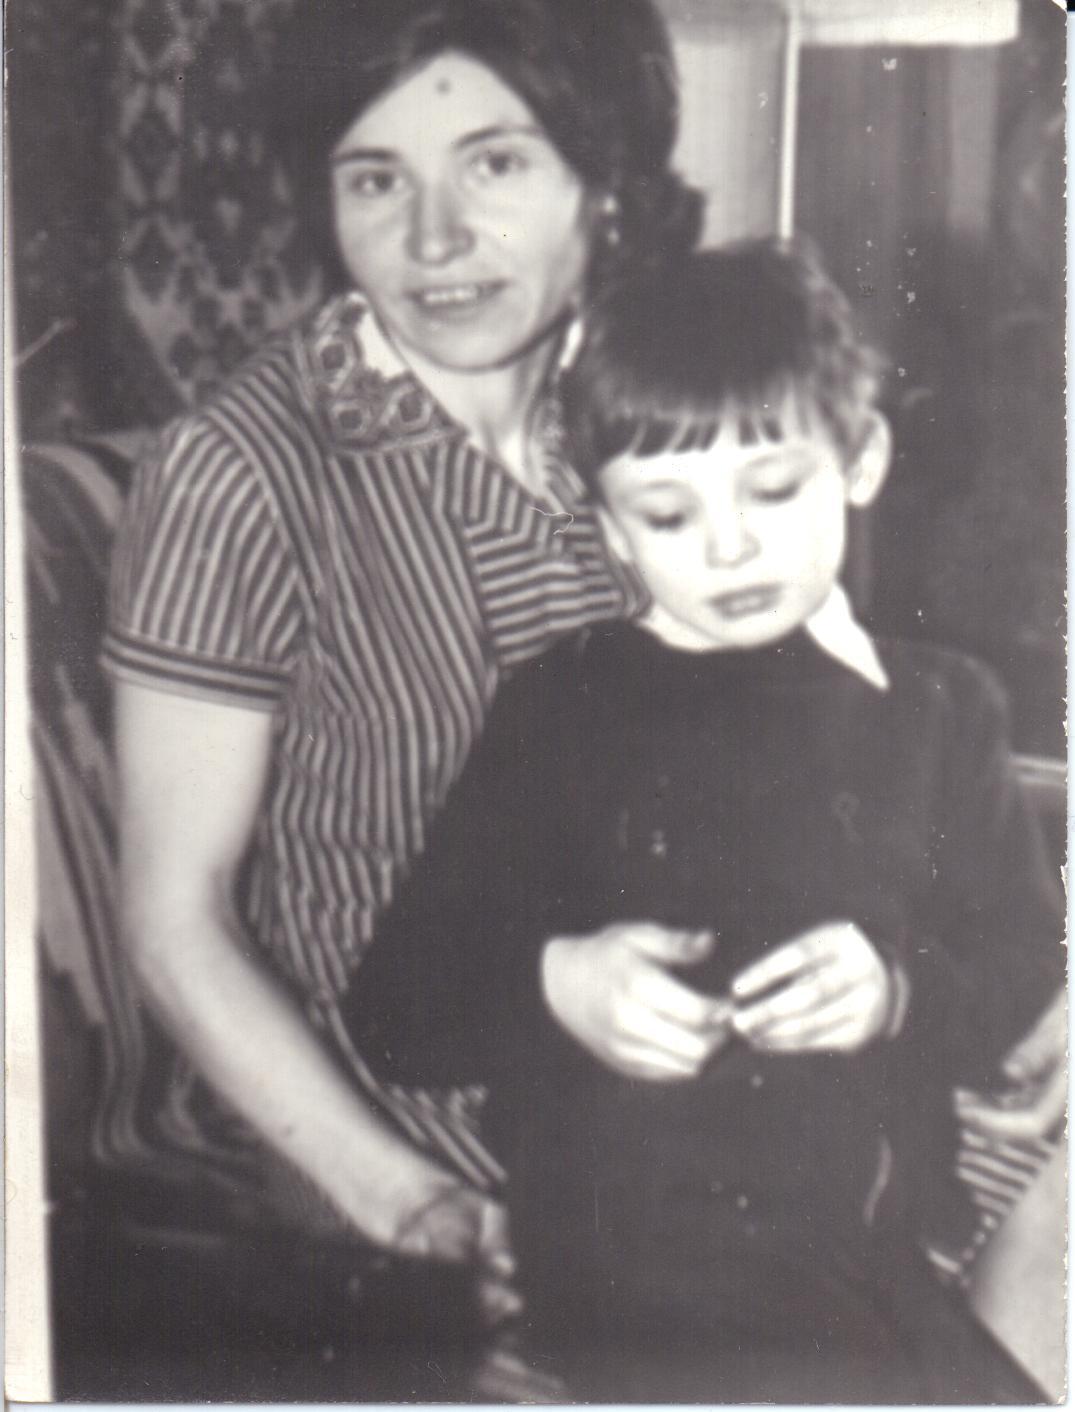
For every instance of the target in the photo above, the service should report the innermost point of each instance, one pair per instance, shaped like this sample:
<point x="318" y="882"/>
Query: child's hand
<point x="611" y="992"/>
<point x="835" y="993"/>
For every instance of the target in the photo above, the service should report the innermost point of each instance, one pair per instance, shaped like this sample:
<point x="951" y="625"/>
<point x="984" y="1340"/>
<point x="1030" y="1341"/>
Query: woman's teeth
<point x="452" y="297"/>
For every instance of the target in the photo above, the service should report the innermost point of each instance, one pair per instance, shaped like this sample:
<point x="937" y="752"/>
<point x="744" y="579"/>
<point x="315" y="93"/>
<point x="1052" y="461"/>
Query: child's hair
<point x="734" y="332"/>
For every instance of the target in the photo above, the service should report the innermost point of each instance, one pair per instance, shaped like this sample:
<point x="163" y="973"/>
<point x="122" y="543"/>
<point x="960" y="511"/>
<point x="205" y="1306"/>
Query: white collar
<point x="836" y="631"/>
<point x="833" y="627"/>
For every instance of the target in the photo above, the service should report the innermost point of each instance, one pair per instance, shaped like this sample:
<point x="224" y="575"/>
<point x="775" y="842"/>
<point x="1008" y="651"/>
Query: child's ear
<point x="617" y="540"/>
<point x="866" y="474"/>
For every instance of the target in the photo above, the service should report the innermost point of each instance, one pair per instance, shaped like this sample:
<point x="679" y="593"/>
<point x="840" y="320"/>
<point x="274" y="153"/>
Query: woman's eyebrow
<point x="364" y="154"/>
<point x="499" y="130"/>
<point x="470" y="139"/>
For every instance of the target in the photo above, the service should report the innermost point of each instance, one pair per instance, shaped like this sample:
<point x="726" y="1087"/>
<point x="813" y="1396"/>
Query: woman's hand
<point x="1037" y="1071"/>
<point x="611" y="992"/>
<point x="835" y="994"/>
<point x="455" y="1223"/>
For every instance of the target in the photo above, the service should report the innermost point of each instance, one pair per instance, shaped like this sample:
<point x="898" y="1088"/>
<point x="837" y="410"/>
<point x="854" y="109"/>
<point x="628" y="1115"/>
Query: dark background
<point x="936" y="192"/>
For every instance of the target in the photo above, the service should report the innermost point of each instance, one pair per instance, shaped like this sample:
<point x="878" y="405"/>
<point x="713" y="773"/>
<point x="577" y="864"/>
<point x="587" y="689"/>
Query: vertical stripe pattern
<point x="324" y="542"/>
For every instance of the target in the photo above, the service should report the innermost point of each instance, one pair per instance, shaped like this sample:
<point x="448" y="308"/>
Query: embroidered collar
<point x="836" y="631"/>
<point x="364" y="393"/>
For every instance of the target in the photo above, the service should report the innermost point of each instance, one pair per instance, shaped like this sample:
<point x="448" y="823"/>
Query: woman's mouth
<point x="743" y="602"/>
<point x="448" y="300"/>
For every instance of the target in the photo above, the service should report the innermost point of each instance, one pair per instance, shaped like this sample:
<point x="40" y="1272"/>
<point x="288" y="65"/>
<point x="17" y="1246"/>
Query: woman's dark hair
<point x="671" y="354"/>
<point x="598" y="75"/>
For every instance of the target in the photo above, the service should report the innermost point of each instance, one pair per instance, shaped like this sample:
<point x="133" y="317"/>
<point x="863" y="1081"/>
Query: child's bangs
<point x="663" y="434"/>
<point x="778" y="412"/>
<point x="652" y="428"/>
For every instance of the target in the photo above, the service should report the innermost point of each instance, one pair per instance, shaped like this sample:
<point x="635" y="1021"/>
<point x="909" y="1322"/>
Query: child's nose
<point x="729" y="541"/>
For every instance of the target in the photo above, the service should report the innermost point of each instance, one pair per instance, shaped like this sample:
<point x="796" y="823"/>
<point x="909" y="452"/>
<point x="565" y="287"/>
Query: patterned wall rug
<point x="207" y="255"/>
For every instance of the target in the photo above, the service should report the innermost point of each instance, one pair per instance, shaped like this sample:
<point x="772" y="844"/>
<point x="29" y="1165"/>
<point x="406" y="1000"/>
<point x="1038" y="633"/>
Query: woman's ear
<point x="866" y="473"/>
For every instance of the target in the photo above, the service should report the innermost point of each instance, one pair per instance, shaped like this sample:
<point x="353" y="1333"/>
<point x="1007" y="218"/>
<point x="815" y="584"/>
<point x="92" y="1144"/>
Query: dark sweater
<point x="757" y="793"/>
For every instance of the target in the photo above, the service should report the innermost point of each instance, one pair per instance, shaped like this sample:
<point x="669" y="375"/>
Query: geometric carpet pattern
<point x="206" y="255"/>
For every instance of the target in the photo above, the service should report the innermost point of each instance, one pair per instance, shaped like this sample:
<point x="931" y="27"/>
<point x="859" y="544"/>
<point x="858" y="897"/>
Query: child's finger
<point x="669" y="946"/>
<point x="644" y="1028"/>
<point x="797" y="1014"/>
<point x="827" y="1039"/>
<point x="815" y="1028"/>
<point x="640" y="1061"/>
<point x="770" y="969"/>
<point x="832" y="944"/>
<point x="842" y="1039"/>
<point x="672" y="1000"/>
<point x="811" y="988"/>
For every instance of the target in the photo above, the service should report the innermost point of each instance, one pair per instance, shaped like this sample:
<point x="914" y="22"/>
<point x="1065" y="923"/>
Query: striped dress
<point x="322" y="541"/>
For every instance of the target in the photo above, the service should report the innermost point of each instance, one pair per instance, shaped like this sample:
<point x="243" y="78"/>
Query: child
<point x="841" y="813"/>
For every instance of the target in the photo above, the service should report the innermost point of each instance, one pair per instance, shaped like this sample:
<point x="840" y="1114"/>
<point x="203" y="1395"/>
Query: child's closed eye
<point x="669" y="522"/>
<point x="777" y="494"/>
<point x="774" y="480"/>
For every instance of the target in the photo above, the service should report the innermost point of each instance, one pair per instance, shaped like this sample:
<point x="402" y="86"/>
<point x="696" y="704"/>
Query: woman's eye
<point x="498" y="162"/>
<point x="373" y="183"/>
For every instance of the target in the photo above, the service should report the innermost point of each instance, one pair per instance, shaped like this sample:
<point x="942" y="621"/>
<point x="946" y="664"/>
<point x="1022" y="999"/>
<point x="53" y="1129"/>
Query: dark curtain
<point x="933" y="180"/>
<point x="60" y="59"/>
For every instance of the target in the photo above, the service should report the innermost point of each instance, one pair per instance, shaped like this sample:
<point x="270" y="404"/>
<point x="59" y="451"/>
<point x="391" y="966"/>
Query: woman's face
<point x="458" y="218"/>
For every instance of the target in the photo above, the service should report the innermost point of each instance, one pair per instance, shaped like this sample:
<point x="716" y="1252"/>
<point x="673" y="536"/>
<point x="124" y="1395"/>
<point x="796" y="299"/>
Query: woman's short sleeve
<point x="204" y="593"/>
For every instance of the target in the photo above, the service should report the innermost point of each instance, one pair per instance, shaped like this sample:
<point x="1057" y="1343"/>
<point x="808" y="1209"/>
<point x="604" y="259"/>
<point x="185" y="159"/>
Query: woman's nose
<point x="438" y="230"/>
<point x="729" y="540"/>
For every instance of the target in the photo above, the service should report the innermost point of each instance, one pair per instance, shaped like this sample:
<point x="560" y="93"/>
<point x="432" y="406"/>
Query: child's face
<point x="740" y="544"/>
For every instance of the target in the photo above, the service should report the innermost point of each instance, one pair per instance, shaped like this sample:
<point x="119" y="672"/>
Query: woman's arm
<point x="191" y="774"/>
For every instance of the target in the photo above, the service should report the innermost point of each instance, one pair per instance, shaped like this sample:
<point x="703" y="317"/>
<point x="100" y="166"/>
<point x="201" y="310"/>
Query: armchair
<point x="182" y="1266"/>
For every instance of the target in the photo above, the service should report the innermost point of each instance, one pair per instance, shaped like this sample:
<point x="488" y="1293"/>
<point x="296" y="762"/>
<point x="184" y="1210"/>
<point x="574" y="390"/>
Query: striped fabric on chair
<point x="144" y="1123"/>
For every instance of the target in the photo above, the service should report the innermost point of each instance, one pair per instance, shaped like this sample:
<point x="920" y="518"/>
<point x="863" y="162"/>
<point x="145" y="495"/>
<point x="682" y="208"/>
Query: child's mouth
<point x="744" y="602"/>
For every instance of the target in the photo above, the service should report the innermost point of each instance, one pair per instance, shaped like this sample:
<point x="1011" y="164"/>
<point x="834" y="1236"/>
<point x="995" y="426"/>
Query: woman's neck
<point x="495" y="405"/>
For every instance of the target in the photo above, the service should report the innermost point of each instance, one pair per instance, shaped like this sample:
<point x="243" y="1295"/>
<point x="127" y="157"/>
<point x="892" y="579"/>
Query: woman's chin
<point x="471" y="344"/>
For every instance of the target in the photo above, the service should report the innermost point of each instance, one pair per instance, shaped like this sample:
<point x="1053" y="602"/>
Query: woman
<point x="324" y="573"/>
